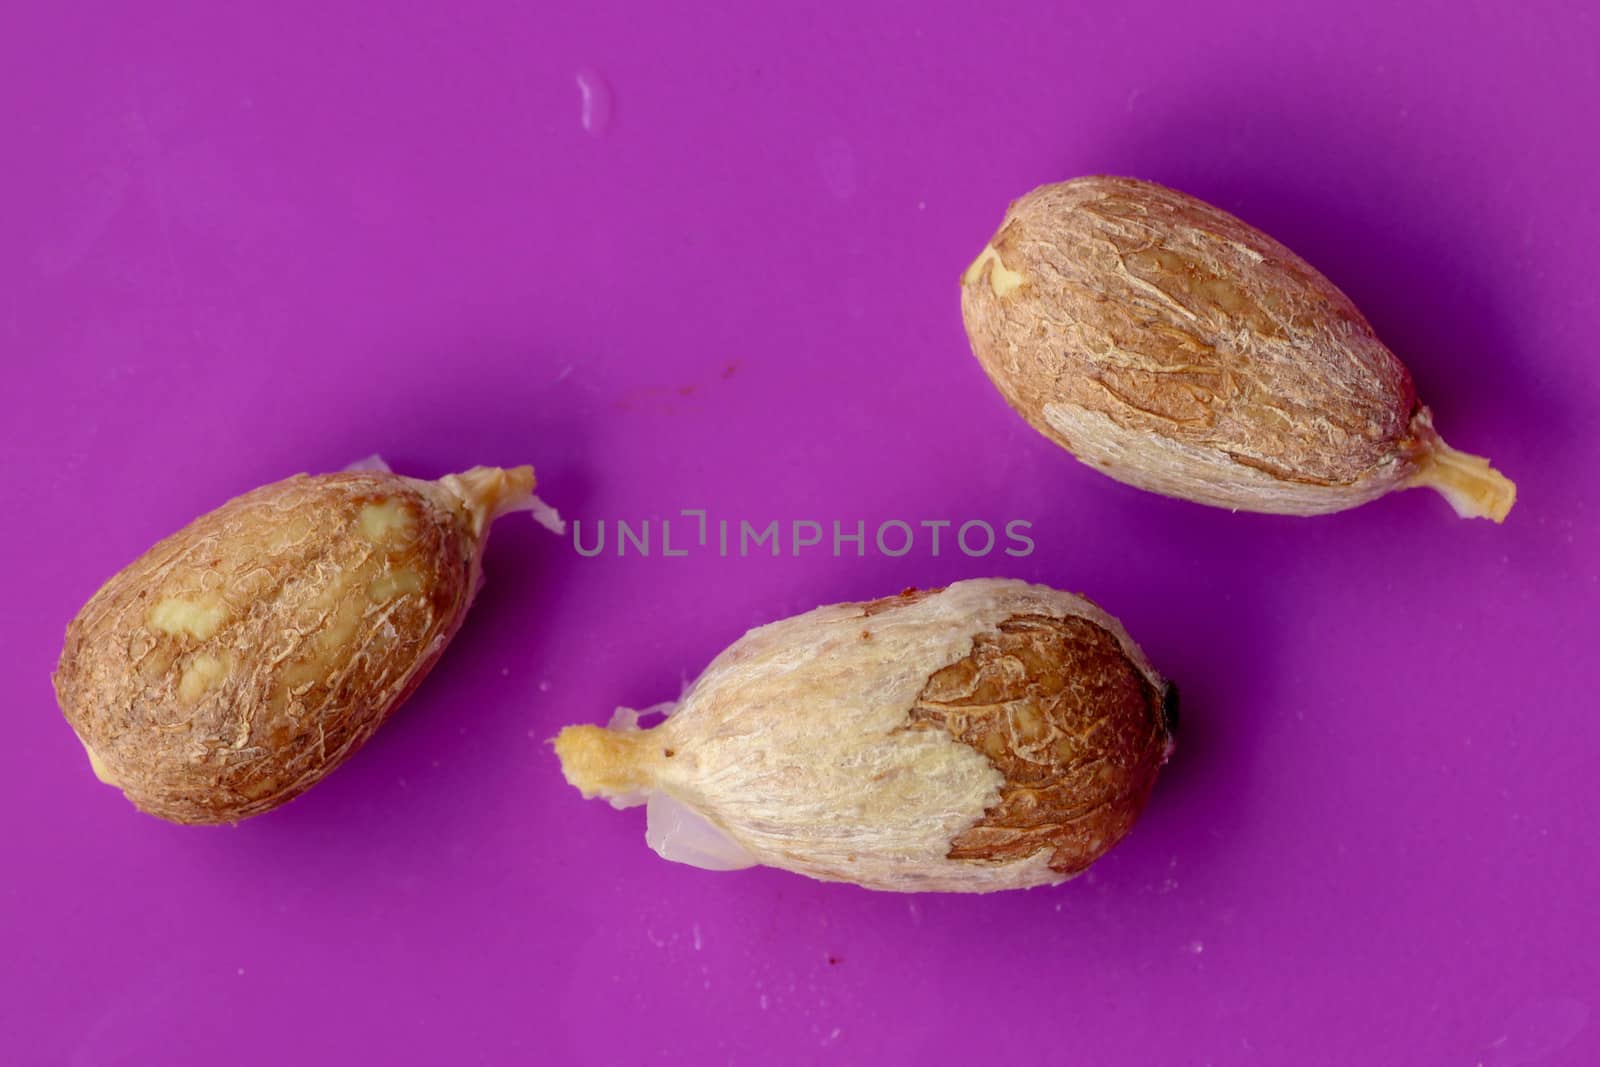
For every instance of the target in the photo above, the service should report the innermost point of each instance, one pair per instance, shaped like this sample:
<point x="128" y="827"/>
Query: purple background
<point x="233" y="247"/>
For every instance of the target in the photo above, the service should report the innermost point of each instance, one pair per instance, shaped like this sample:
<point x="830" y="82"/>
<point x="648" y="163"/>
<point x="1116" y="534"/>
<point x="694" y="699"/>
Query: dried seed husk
<point x="1178" y="349"/>
<point x="240" y="660"/>
<point x="989" y="735"/>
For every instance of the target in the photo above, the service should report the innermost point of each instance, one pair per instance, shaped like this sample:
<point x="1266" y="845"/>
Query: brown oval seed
<point x="238" y="661"/>
<point x="1180" y="350"/>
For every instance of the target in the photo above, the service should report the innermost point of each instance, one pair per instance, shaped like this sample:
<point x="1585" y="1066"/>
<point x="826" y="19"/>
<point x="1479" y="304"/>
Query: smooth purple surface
<point x="233" y="247"/>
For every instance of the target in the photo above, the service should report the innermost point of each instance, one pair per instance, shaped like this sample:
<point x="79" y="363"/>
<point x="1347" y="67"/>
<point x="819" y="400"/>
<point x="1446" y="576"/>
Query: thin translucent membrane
<point x="678" y="833"/>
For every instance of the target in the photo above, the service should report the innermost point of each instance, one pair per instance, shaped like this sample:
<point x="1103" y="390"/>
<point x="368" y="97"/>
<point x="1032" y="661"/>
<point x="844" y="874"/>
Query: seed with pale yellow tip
<point x="1175" y="348"/>
<point x="237" y="662"/>
<point x="989" y="735"/>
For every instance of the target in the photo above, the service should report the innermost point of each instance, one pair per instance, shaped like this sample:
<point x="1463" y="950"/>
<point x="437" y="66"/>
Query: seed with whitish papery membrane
<point x="237" y="662"/>
<point x="989" y="735"/>
<point x="1180" y="350"/>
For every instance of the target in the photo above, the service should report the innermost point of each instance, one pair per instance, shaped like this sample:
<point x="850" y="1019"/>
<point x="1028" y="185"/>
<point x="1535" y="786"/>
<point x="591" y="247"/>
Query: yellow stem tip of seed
<point x="1474" y="488"/>
<point x="602" y="762"/>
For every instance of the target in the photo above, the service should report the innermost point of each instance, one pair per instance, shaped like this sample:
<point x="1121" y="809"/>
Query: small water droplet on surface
<point x="595" y="95"/>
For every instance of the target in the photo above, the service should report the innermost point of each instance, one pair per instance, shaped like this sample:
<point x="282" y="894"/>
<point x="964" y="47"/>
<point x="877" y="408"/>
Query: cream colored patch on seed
<point x="384" y="520"/>
<point x="201" y="675"/>
<point x="101" y="771"/>
<point x="198" y="617"/>
<point x="343" y="625"/>
<point x="1002" y="279"/>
